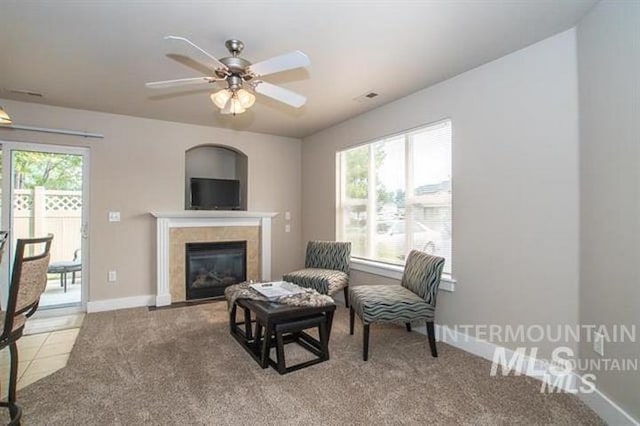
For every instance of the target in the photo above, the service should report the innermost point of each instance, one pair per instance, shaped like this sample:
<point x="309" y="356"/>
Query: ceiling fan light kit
<point x="4" y="117"/>
<point x="233" y="107"/>
<point x="221" y="98"/>
<point x="246" y="99"/>
<point x="236" y="71"/>
<point x="233" y="102"/>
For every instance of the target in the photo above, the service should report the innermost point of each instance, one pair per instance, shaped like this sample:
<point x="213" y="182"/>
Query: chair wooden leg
<point x="431" y="334"/>
<point x="13" y="379"/>
<point x="365" y="343"/>
<point x="352" y="315"/>
<point x="346" y="296"/>
<point x="408" y="325"/>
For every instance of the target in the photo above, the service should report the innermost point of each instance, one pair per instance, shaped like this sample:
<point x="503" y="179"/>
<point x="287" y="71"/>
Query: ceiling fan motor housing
<point x="235" y="47"/>
<point x="234" y="82"/>
<point x="236" y="67"/>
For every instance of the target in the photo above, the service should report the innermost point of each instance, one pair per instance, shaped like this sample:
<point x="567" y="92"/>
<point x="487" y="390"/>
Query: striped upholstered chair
<point x="326" y="268"/>
<point x="413" y="300"/>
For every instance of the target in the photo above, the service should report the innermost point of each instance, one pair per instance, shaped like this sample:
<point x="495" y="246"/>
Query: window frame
<point x="379" y="267"/>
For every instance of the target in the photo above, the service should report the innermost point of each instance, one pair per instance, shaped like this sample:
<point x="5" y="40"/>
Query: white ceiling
<point x="98" y="55"/>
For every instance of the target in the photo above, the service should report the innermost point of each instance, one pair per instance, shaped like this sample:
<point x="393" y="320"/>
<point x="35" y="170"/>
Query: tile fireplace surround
<point x="175" y="229"/>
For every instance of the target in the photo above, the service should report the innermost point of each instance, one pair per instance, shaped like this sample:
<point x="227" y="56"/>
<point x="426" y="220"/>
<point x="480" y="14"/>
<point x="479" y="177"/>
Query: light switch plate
<point x="598" y="343"/>
<point x="287" y="228"/>
<point x="114" y="216"/>
<point x="112" y="276"/>
<point x="287" y="215"/>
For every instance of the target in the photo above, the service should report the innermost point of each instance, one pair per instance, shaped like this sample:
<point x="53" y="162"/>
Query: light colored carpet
<point x="181" y="366"/>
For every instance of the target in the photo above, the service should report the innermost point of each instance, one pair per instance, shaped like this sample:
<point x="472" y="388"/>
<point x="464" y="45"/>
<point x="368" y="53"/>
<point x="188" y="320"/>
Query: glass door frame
<point x="7" y="211"/>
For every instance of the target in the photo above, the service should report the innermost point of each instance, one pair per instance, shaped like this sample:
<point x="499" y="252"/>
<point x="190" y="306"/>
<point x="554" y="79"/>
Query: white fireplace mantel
<point x="206" y="218"/>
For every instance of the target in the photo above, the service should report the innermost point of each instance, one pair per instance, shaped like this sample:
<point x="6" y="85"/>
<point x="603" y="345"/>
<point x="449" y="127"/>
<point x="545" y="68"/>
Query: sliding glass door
<point x="44" y="191"/>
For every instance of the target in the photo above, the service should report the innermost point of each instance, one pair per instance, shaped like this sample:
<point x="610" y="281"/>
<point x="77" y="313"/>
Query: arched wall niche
<point x="215" y="162"/>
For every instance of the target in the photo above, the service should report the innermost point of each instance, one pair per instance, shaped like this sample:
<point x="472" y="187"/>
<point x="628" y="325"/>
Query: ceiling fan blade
<point x="216" y="64"/>
<point x="180" y="82"/>
<point x="288" y="61"/>
<point x="280" y="94"/>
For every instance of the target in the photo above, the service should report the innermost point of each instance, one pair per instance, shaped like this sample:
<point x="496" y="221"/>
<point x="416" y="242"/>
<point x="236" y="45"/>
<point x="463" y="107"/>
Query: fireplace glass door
<point x="212" y="267"/>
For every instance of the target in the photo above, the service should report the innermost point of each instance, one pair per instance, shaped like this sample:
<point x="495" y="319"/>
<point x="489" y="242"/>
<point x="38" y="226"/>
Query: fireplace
<point x="212" y="267"/>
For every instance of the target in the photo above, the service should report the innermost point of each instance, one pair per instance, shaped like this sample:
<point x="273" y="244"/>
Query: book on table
<point x="277" y="289"/>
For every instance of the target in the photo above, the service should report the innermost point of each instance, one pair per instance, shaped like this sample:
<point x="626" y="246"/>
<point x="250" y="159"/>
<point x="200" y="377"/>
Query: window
<point x="394" y="195"/>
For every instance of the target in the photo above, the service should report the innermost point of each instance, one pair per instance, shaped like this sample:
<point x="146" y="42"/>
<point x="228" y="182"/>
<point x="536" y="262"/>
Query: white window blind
<point x="394" y="195"/>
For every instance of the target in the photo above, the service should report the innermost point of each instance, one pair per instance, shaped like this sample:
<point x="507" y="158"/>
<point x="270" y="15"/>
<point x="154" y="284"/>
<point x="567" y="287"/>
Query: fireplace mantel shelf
<point x="211" y="214"/>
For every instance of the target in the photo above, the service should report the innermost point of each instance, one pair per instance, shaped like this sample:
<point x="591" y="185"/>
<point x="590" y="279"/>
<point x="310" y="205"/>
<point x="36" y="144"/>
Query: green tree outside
<point x="357" y="188"/>
<point x="50" y="170"/>
<point x="357" y="179"/>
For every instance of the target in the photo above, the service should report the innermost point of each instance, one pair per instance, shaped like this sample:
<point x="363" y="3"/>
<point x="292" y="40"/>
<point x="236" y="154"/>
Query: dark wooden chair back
<point x="28" y="279"/>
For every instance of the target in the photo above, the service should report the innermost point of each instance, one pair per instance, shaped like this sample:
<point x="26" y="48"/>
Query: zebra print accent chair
<point x="413" y="300"/>
<point x="326" y="268"/>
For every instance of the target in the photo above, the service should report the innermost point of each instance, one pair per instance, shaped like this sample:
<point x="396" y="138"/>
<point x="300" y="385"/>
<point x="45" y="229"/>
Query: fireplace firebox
<point x="211" y="267"/>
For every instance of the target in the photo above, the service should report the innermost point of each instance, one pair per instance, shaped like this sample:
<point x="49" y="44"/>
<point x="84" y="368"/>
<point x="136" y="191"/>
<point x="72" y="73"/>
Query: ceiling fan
<point x="239" y="74"/>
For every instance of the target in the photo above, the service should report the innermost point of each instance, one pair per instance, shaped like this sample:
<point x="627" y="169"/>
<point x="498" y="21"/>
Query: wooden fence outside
<point x="40" y="211"/>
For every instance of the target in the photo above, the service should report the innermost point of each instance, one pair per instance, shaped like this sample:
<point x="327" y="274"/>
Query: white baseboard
<point x="163" y="300"/>
<point x="530" y="367"/>
<point x="607" y="409"/>
<point x="120" y="303"/>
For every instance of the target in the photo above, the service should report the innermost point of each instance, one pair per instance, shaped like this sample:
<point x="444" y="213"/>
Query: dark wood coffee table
<point x="276" y="325"/>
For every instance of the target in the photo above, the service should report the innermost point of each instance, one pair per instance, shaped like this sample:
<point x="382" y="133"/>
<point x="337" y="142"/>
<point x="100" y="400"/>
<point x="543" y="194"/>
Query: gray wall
<point x="609" y="75"/>
<point x="515" y="184"/>
<point x="139" y="167"/>
<point x="215" y="162"/>
<point x="210" y="162"/>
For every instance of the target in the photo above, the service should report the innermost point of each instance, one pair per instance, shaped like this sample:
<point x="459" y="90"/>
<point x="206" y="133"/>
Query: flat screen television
<point x="215" y="194"/>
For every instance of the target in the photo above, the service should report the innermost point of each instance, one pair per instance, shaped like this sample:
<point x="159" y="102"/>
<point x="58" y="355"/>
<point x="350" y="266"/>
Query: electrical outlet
<point x="287" y="215"/>
<point x="598" y="343"/>
<point x="112" y="276"/>
<point x="287" y="228"/>
<point x="114" y="216"/>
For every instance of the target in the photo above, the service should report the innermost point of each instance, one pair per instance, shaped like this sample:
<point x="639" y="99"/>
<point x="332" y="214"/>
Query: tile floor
<point x="39" y="355"/>
<point x="45" y="324"/>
